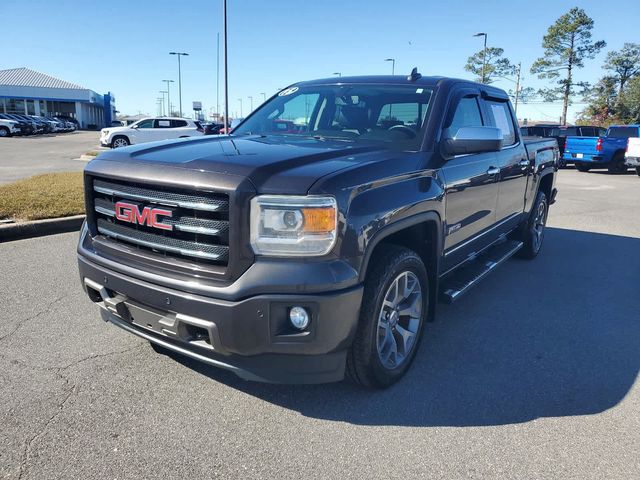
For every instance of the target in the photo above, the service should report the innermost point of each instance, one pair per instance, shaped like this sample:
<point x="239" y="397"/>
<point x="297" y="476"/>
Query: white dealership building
<point x="27" y="92"/>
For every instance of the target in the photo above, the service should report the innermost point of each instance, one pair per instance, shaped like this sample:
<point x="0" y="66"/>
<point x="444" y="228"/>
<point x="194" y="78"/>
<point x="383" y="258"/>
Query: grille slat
<point x="199" y="221"/>
<point x="160" y="242"/>
<point x="160" y="197"/>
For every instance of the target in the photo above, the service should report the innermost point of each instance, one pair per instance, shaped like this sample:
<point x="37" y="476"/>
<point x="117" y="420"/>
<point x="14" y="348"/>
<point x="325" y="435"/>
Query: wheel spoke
<point x="406" y="339"/>
<point x="391" y="347"/>
<point x="413" y="308"/>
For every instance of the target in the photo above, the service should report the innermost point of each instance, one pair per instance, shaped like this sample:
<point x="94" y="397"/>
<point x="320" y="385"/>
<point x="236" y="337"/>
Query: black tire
<point x="364" y="364"/>
<point x="533" y="230"/>
<point x="582" y="168"/>
<point x="5" y="132"/>
<point x="638" y="171"/>
<point x="562" y="163"/>
<point x="120" y="141"/>
<point x="617" y="164"/>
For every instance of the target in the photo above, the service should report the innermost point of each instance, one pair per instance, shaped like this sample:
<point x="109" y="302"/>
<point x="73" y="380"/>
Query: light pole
<point x="218" y="76"/>
<point x="484" y="54"/>
<point x="337" y="74"/>
<point x="163" y="92"/>
<point x="179" y="54"/>
<point x="240" y="100"/>
<point x="517" y="88"/>
<point x="168" y="97"/>
<point x="250" y="103"/>
<point x="226" y="72"/>
<point x="393" y="64"/>
<point x="264" y="97"/>
<point x="160" y="102"/>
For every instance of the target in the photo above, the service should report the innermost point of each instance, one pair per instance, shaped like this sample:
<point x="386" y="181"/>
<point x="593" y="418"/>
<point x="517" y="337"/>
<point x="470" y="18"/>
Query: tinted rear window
<point x="564" y="132"/>
<point x="622" y="132"/>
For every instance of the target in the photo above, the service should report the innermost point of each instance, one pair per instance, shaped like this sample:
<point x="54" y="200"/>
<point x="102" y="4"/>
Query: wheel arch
<point x="421" y="233"/>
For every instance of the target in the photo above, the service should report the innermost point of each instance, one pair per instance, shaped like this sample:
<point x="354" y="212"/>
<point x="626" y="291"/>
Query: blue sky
<point x="122" y="45"/>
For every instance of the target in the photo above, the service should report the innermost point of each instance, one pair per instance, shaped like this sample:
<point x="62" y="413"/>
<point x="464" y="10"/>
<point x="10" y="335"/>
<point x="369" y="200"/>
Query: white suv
<point x="8" y="128"/>
<point x="150" y="130"/>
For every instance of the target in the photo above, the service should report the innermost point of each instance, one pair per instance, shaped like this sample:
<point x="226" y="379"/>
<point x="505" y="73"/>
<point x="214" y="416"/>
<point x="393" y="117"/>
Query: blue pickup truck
<point x="601" y="152"/>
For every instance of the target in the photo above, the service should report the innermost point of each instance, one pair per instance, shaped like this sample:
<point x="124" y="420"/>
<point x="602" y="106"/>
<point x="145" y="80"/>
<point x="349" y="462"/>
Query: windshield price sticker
<point x="288" y="91"/>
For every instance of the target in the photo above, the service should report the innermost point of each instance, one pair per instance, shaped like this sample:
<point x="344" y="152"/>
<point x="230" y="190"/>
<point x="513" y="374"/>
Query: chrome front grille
<point x="198" y="228"/>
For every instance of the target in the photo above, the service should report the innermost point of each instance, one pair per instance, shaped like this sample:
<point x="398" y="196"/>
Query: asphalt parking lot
<point x="23" y="157"/>
<point x="531" y="375"/>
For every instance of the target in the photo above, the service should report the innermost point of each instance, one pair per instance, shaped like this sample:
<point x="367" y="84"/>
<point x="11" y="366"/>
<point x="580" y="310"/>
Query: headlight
<point x="287" y="225"/>
<point x="105" y="132"/>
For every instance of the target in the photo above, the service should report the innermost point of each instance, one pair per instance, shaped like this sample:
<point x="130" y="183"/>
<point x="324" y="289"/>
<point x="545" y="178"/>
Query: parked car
<point x="150" y="130"/>
<point x="8" y="128"/>
<point x="25" y="128"/>
<point x="632" y="154"/>
<point x="601" y="152"/>
<point x="212" y="128"/>
<point x="298" y="257"/>
<point x="561" y="134"/>
<point x="35" y="127"/>
<point x="67" y="118"/>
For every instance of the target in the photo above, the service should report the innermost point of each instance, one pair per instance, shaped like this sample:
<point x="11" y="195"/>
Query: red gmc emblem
<point x="130" y="212"/>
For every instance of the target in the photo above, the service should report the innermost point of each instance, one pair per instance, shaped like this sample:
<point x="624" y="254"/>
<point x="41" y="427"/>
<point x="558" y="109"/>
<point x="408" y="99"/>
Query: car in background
<point x="632" y="154"/>
<point x="538" y="130"/>
<point x="150" y="130"/>
<point x="25" y="128"/>
<point x="561" y="134"/>
<point x="234" y="123"/>
<point x="69" y="119"/>
<point x="606" y="151"/>
<point x="8" y="128"/>
<point x="212" y="128"/>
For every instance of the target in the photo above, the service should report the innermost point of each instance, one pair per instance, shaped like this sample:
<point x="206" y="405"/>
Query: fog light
<point x="299" y="317"/>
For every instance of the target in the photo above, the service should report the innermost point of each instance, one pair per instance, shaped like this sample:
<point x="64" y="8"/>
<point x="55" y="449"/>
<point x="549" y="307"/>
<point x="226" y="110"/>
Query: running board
<point x="461" y="281"/>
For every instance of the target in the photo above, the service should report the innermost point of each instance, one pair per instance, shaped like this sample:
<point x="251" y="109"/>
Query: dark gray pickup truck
<point x="317" y="238"/>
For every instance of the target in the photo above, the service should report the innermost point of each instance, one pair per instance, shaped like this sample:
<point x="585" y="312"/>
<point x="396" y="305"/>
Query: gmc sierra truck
<point x="303" y="255"/>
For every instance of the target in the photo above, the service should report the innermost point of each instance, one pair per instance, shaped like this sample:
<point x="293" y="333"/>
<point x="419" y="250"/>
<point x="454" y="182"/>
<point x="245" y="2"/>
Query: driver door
<point x="471" y="185"/>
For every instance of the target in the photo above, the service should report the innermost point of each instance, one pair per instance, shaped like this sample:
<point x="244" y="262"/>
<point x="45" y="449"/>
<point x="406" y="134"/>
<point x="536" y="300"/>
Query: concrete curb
<point x="39" y="228"/>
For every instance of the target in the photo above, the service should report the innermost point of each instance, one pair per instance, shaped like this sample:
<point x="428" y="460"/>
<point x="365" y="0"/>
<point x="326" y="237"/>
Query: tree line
<point x="568" y="43"/>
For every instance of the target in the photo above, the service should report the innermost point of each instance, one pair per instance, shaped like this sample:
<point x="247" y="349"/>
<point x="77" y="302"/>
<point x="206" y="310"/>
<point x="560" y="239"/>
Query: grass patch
<point x="51" y="195"/>
<point x="92" y="153"/>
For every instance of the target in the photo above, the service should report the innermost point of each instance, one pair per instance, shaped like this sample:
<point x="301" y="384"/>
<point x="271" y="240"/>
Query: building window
<point x="15" y="105"/>
<point x="31" y="107"/>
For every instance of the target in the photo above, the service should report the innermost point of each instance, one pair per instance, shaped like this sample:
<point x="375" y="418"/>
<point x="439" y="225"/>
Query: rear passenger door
<point x="471" y="188"/>
<point x="163" y="130"/>
<point x="513" y="163"/>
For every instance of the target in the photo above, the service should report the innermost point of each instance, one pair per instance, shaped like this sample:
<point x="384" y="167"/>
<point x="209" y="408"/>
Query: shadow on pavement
<point x="554" y="337"/>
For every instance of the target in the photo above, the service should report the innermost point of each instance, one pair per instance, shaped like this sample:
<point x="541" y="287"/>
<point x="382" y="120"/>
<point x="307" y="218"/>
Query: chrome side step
<point x="461" y="281"/>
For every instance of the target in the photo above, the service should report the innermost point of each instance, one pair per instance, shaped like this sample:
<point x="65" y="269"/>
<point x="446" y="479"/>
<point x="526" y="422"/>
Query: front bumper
<point x="632" y="161"/>
<point x="250" y="337"/>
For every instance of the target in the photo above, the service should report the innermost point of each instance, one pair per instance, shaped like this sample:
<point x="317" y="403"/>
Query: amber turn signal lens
<point x="319" y="220"/>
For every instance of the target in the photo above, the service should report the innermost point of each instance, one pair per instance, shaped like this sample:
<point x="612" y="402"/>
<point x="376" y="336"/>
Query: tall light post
<point x="179" y="54"/>
<point x="163" y="92"/>
<point x="250" y="103"/>
<point x="264" y="97"/>
<point x="240" y="100"/>
<point x="218" y="76"/>
<point x="337" y="74"/>
<point x="484" y="54"/>
<point x="393" y="64"/>
<point x="160" y="102"/>
<point x="168" y="97"/>
<point x="226" y="72"/>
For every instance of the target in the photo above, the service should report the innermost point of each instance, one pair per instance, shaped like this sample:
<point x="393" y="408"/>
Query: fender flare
<point x="388" y="230"/>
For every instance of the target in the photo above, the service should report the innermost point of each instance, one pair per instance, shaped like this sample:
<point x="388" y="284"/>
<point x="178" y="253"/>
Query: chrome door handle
<point x="524" y="163"/>
<point x="493" y="171"/>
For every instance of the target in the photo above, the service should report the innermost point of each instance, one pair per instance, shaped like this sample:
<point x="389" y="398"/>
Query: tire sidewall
<point x="540" y="198"/>
<point x="384" y="376"/>
<point x="113" y="142"/>
<point x="4" y="132"/>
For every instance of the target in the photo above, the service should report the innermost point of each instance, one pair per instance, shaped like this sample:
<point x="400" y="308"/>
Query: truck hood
<point x="273" y="164"/>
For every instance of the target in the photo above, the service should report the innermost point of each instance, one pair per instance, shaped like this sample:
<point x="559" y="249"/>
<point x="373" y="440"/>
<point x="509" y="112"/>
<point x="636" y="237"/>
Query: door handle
<point x="524" y="163"/>
<point x="493" y="171"/>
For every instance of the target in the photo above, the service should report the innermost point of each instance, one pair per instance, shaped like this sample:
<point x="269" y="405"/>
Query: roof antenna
<point x="414" y="75"/>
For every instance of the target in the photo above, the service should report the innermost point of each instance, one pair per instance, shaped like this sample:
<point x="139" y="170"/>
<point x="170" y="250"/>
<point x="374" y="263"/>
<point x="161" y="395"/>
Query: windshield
<point x="395" y="114"/>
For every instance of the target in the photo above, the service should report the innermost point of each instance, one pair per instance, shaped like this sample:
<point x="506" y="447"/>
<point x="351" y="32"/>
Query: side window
<point x="160" y="123"/>
<point x="148" y="123"/>
<point x="179" y="123"/>
<point x="467" y="114"/>
<point x="501" y="115"/>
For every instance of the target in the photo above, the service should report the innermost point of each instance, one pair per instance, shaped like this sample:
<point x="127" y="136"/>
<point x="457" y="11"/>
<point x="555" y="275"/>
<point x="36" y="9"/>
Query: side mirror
<point x="471" y="140"/>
